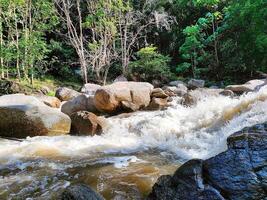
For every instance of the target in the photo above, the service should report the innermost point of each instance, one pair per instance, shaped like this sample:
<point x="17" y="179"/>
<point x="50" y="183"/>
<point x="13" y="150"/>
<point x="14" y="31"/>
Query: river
<point x="134" y="150"/>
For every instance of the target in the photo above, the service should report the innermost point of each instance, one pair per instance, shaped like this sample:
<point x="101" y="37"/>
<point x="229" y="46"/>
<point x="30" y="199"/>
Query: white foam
<point x="187" y="132"/>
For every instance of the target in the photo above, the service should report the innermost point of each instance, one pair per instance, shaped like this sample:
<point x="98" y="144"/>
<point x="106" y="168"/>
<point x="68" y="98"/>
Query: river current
<point x="134" y="150"/>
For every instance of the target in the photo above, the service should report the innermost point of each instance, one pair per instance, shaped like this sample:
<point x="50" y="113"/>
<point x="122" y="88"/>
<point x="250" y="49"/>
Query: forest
<point x="220" y="41"/>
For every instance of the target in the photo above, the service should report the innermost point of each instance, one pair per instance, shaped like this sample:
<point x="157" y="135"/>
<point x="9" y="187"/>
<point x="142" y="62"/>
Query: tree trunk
<point x="1" y="47"/>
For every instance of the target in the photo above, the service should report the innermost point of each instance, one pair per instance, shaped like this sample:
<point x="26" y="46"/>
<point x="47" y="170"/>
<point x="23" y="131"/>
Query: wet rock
<point x="193" y="96"/>
<point x="187" y="183"/>
<point x="195" y="83"/>
<point x="240" y="173"/>
<point x="158" y="93"/>
<point x="179" y="90"/>
<point x="120" y="78"/>
<point x="227" y="93"/>
<point x="80" y="192"/>
<point x="158" y="103"/>
<point x="23" y="116"/>
<point x="108" y="98"/>
<point x="66" y="94"/>
<point x="79" y="103"/>
<point x="53" y="102"/>
<point x="176" y="83"/>
<point x="247" y="87"/>
<point x="90" y="88"/>
<point x="86" y="123"/>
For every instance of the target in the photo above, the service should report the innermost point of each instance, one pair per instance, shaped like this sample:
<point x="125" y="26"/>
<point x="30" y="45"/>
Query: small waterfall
<point x="179" y="133"/>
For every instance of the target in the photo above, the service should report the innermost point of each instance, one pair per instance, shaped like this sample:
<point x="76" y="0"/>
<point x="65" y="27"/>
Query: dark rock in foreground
<point x="240" y="173"/>
<point x="80" y="192"/>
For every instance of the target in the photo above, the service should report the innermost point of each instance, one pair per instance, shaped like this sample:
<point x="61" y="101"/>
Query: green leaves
<point x="151" y="64"/>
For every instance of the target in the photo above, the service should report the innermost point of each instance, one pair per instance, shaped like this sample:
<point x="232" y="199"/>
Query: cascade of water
<point x="179" y="132"/>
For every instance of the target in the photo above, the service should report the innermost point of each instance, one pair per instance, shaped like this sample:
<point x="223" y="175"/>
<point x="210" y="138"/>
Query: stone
<point x="80" y="192"/>
<point x="23" y="116"/>
<point x="193" y="96"/>
<point x="120" y="78"/>
<point x="228" y="93"/>
<point x="86" y="123"/>
<point x="179" y="90"/>
<point x="156" y="83"/>
<point x="158" y="103"/>
<point x="159" y="93"/>
<point x="66" y="94"/>
<point x="90" y="88"/>
<point x="80" y="103"/>
<point x="196" y="83"/>
<point x="108" y="98"/>
<point x="187" y="183"/>
<point x="53" y="102"/>
<point x="176" y="83"/>
<point x="9" y="87"/>
<point x="45" y="90"/>
<point x="249" y="86"/>
<point x="239" y="173"/>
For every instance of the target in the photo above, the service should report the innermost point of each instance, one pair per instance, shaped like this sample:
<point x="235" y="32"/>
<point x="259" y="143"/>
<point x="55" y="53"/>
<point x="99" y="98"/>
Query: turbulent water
<point x="134" y="151"/>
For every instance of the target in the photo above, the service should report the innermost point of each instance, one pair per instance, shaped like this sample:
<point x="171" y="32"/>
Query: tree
<point x="151" y="64"/>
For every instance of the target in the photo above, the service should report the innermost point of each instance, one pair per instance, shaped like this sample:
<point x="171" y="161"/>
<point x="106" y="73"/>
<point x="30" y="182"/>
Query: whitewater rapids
<point x="183" y="132"/>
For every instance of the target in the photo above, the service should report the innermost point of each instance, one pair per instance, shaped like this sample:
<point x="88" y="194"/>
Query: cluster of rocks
<point x="240" y="173"/>
<point x="81" y="113"/>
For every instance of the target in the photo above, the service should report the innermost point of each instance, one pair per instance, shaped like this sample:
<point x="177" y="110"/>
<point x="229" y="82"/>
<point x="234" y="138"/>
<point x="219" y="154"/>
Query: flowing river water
<point x="135" y="149"/>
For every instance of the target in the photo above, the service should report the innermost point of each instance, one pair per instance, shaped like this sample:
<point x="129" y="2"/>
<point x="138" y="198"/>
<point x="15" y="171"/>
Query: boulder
<point x="236" y="174"/>
<point x="158" y="103"/>
<point x="53" y="102"/>
<point x="109" y="98"/>
<point x="9" y="87"/>
<point x="247" y="87"/>
<point x="80" y="192"/>
<point x="196" y="83"/>
<point x="90" y="88"/>
<point x="187" y="183"/>
<point x="193" y="96"/>
<point x="228" y="93"/>
<point x="156" y="83"/>
<point x="159" y="93"/>
<point x="23" y="116"/>
<point x="66" y="94"/>
<point x="179" y="90"/>
<point x="86" y="123"/>
<point x="120" y="78"/>
<point x="45" y="90"/>
<point x="80" y="103"/>
<point x="176" y="83"/>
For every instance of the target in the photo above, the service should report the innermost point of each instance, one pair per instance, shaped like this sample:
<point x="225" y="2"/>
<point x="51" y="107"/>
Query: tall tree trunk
<point x="1" y="47"/>
<point x="83" y="59"/>
<point x="17" y="45"/>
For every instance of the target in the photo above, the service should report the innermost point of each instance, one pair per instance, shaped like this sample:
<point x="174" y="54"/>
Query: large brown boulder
<point x="86" y="123"/>
<point x="109" y="98"/>
<point x="159" y="93"/>
<point x="22" y="116"/>
<point x="66" y="94"/>
<point x="53" y="102"/>
<point x="158" y="103"/>
<point x="90" y="88"/>
<point x="79" y="103"/>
